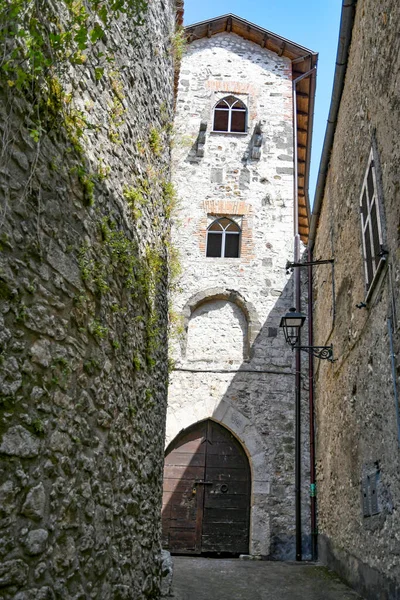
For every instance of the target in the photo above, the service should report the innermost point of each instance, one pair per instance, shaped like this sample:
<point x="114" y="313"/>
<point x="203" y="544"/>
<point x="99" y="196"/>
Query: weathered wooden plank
<point x="231" y="501"/>
<point x="224" y="515"/>
<point x="176" y="472"/>
<point x="195" y="446"/>
<point x="180" y="540"/>
<point x="185" y="459"/>
<point x="222" y="448"/>
<point x="224" y="529"/>
<point x="222" y="460"/>
<point x="177" y="485"/>
<point x="226" y="474"/>
<point x="236" y="544"/>
<point x="176" y="497"/>
<point x="238" y="487"/>
<point x="186" y="513"/>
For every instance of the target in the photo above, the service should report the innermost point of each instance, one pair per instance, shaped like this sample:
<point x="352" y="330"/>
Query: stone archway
<point x="253" y="444"/>
<point x="206" y="493"/>
<point x="215" y="294"/>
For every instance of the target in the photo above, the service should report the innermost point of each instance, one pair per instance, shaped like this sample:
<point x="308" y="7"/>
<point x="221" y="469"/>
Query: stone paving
<point x="234" y="579"/>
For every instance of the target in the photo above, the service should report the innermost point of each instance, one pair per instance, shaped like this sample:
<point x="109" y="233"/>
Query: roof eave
<point x="345" y="33"/>
<point x="265" y="34"/>
<point x="303" y="60"/>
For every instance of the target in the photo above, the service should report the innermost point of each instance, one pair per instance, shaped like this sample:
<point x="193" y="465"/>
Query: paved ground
<point x="234" y="579"/>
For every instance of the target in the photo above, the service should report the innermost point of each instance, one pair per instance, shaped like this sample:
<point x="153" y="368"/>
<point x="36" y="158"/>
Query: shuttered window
<point x="373" y="251"/>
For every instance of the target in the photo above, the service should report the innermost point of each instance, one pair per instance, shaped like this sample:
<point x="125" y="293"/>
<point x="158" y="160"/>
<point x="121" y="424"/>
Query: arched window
<point x="223" y="238"/>
<point x="230" y="115"/>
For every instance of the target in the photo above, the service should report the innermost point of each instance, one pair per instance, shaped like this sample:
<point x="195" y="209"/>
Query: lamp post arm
<point x="321" y="352"/>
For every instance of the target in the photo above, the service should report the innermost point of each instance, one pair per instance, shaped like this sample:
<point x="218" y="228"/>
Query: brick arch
<point x="212" y="294"/>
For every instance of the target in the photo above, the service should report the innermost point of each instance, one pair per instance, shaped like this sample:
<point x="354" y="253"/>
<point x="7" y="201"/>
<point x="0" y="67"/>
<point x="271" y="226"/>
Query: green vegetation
<point x="136" y="362"/>
<point x="34" y="38"/>
<point x="38" y="427"/>
<point x="91" y="366"/>
<point x="136" y="199"/>
<point x="5" y="291"/>
<point x="155" y="141"/>
<point x="97" y="329"/>
<point x="41" y="42"/>
<point x="178" y="44"/>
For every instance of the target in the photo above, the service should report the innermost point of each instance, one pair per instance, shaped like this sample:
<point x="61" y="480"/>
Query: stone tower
<point x="229" y="477"/>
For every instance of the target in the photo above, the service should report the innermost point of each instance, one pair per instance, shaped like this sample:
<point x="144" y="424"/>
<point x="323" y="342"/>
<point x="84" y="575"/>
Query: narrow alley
<point x="234" y="579"/>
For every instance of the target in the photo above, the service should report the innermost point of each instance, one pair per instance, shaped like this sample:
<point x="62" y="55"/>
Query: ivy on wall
<point x="45" y="42"/>
<point x="41" y="37"/>
<point x="48" y="47"/>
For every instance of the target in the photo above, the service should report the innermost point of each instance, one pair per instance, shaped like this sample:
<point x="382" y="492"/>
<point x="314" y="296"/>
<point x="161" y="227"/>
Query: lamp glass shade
<point x="291" y="324"/>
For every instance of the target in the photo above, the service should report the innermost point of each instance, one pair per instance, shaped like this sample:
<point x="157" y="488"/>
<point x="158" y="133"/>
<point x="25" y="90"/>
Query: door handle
<point x="201" y="481"/>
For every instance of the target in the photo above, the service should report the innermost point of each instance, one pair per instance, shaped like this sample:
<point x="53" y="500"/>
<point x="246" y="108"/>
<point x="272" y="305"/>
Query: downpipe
<point x="313" y="482"/>
<point x="297" y="302"/>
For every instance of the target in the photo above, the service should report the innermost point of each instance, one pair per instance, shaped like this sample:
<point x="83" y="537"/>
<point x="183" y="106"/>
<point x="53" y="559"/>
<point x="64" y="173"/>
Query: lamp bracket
<point x="321" y="352"/>
<point x="311" y="263"/>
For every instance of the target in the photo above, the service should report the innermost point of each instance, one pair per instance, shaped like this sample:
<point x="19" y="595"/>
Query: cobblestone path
<point x="234" y="579"/>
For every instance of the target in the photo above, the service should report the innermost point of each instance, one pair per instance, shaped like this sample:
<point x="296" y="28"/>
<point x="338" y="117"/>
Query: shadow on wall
<point x="254" y="400"/>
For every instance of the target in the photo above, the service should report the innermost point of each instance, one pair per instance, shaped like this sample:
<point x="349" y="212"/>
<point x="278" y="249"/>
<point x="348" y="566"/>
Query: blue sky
<point x="313" y="24"/>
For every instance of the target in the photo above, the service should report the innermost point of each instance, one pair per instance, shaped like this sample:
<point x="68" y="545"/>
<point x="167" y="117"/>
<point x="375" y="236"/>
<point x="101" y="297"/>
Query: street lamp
<point x="291" y="324"/>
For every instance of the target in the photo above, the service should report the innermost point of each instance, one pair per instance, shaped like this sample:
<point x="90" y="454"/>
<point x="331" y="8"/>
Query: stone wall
<point x="83" y="326"/>
<point x="232" y="363"/>
<point x="357" y="434"/>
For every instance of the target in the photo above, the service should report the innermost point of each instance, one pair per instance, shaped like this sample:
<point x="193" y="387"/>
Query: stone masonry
<point x="357" y="432"/>
<point x="83" y="326"/>
<point x="232" y="363"/>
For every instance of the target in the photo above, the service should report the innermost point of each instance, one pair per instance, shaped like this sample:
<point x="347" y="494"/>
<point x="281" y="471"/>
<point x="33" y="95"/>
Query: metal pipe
<point x="297" y="441"/>
<point x="313" y="483"/>
<point x="346" y="28"/>
<point x="396" y="397"/>
<point x="297" y="302"/>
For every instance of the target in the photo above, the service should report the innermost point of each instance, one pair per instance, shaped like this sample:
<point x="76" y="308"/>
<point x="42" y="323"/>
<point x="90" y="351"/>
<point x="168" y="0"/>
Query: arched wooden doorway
<point x="206" y="492"/>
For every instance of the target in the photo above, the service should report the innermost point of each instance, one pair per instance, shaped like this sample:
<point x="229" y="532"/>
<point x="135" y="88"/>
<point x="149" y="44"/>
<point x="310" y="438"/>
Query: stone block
<point x="167" y="571"/>
<point x="13" y="573"/>
<point x="18" y="441"/>
<point x="35" y="503"/>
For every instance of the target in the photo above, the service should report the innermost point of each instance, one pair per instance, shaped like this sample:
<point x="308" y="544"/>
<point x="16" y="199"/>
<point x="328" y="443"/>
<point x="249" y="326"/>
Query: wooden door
<point x="206" y="499"/>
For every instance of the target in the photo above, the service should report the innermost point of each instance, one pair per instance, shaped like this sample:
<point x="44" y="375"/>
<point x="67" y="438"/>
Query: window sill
<point x="222" y="258"/>
<point x="240" y="133"/>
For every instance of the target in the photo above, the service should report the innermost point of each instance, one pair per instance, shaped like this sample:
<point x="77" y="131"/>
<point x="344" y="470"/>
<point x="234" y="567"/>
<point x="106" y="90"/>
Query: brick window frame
<point x="228" y="226"/>
<point x="233" y="209"/>
<point x="372" y="232"/>
<point x="233" y="107"/>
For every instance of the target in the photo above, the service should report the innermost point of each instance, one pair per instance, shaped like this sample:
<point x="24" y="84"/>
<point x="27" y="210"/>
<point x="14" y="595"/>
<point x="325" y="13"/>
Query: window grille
<point x="374" y="254"/>
<point x="223" y="239"/>
<point x="230" y="115"/>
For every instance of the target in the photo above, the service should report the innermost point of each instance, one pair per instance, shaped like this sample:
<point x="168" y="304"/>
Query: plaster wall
<point x="357" y="432"/>
<point x="232" y="363"/>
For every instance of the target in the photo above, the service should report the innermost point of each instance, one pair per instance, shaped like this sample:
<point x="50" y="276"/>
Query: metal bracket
<point x="329" y="261"/>
<point x="291" y="265"/>
<point x="321" y="352"/>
